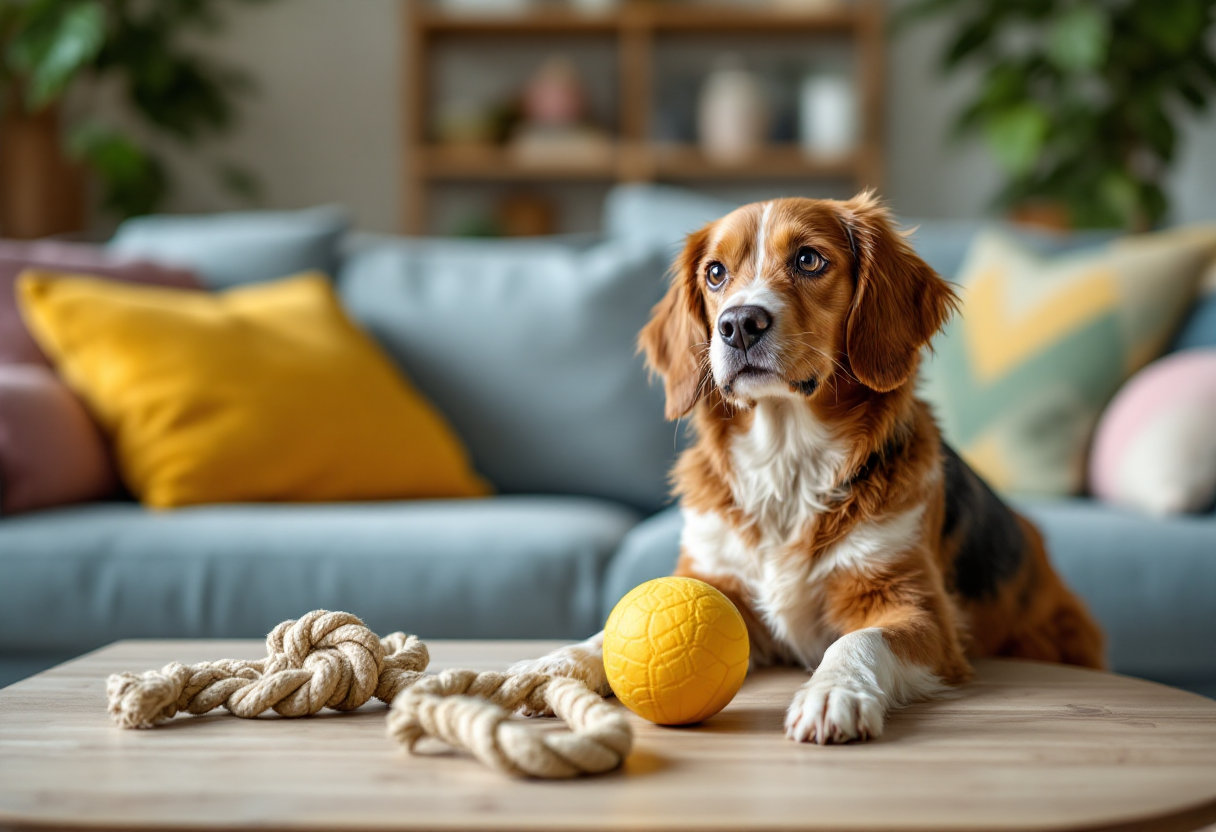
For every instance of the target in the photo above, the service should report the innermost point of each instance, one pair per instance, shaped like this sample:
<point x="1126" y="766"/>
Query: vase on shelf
<point x="827" y="115"/>
<point x="732" y="113"/>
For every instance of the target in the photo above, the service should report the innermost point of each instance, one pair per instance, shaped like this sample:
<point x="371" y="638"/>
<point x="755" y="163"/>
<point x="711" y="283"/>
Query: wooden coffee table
<point x="1026" y="746"/>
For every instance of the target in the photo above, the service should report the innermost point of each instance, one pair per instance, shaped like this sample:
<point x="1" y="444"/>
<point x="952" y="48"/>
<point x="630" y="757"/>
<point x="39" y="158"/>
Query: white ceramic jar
<point x="827" y="115"/>
<point x="732" y="113"/>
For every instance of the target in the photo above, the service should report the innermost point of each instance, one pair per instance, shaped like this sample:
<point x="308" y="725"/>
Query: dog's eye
<point x="809" y="261"/>
<point x="715" y="275"/>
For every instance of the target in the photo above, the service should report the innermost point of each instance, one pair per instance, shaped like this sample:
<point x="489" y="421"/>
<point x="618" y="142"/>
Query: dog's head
<point x="778" y="298"/>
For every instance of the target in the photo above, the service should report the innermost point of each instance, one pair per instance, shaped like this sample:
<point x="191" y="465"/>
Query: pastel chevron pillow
<point x="1019" y="377"/>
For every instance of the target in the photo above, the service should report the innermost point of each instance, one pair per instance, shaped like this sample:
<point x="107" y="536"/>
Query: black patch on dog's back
<point x="989" y="538"/>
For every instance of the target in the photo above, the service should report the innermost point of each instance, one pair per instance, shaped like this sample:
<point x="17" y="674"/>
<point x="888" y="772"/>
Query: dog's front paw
<point x="834" y="711"/>
<point x="584" y="661"/>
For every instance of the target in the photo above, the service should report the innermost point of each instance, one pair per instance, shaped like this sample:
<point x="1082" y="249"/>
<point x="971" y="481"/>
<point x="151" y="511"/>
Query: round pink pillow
<point x="51" y="451"/>
<point x="1155" y="446"/>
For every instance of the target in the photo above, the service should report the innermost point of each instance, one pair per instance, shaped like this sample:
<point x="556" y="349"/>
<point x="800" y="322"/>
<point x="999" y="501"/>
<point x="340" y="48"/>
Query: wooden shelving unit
<point x="637" y="27"/>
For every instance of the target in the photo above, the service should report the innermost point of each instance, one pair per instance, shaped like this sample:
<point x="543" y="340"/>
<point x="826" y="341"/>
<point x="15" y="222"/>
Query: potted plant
<point x="1080" y="100"/>
<point x="48" y="46"/>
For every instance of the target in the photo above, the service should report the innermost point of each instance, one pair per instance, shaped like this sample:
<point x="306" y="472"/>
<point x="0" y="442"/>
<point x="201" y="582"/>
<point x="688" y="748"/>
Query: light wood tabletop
<point x="1025" y="746"/>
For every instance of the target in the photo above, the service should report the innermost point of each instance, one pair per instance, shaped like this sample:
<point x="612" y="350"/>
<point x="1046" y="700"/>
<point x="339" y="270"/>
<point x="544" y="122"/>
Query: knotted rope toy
<point x="331" y="660"/>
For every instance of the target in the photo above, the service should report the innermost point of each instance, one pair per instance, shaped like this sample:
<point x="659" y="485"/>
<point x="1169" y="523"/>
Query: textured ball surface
<point x="675" y="650"/>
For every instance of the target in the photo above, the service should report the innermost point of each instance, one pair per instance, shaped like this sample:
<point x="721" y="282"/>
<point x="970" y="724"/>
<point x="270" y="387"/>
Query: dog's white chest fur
<point x="786" y="468"/>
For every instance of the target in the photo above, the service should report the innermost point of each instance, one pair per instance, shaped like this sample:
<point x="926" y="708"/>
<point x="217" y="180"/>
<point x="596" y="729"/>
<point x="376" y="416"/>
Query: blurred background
<point x="387" y="106"/>
<point x="372" y="271"/>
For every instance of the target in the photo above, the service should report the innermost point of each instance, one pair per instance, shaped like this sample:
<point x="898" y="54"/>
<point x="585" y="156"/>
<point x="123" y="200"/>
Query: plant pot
<point x="41" y="191"/>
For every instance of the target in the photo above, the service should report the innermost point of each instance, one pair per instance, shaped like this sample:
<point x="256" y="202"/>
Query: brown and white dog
<point x="819" y="495"/>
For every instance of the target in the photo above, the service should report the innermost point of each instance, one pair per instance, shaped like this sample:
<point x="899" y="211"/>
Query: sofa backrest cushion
<point x="659" y="214"/>
<point x="665" y="215"/>
<point x="1199" y="329"/>
<point x="240" y="247"/>
<point x="528" y="348"/>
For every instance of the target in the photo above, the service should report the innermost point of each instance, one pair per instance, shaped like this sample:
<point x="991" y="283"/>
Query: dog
<point x="818" y="495"/>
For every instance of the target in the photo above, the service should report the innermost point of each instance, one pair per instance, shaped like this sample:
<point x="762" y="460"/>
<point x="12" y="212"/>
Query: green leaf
<point x="1121" y="194"/>
<point x="971" y="38"/>
<point x="1192" y="94"/>
<point x="133" y="180"/>
<point x="1149" y="117"/>
<point x="1153" y="203"/>
<point x="1016" y="136"/>
<point x="1172" y="26"/>
<point x="58" y="41"/>
<point x="1079" y="39"/>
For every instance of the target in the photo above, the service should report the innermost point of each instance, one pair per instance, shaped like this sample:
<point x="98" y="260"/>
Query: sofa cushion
<point x="73" y="579"/>
<point x="528" y="348"/>
<point x="649" y="551"/>
<point x="263" y="392"/>
<point x="665" y="214"/>
<point x="1019" y="377"/>
<point x="239" y="247"/>
<point x="1155" y="445"/>
<point x="51" y="451"/>
<point x="1199" y="329"/>
<point x="1149" y="582"/>
<point x="660" y="215"/>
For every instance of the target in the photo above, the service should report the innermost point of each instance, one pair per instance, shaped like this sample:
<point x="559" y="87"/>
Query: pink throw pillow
<point x="51" y="451"/>
<point x="1155" y="446"/>
<point x="16" y="345"/>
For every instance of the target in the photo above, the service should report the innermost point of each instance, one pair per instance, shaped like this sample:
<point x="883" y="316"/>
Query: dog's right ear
<point x="676" y="340"/>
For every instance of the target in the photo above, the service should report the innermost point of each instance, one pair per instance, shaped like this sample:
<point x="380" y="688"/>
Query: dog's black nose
<point x="742" y="326"/>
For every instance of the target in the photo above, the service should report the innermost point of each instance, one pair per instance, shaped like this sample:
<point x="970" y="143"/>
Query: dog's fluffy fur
<point x="819" y="496"/>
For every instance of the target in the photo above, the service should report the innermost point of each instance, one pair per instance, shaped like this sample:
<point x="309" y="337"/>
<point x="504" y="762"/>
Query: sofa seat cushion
<point x="76" y="578"/>
<point x="1150" y="582"/>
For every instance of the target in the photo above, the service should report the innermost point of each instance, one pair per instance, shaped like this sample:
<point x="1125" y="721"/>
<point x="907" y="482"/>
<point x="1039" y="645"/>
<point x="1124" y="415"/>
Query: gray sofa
<point x="527" y="347"/>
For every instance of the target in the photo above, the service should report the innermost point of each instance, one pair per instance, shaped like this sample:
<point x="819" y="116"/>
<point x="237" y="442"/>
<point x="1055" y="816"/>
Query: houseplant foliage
<point x="46" y="46"/>
<point x="1080" y="100"/>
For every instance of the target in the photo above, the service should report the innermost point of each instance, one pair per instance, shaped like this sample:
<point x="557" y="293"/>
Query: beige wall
<point x="325" y="126"/>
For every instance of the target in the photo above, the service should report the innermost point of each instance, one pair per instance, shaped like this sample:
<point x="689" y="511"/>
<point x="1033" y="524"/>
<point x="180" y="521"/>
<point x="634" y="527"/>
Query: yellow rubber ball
<point x="675" y="651"/>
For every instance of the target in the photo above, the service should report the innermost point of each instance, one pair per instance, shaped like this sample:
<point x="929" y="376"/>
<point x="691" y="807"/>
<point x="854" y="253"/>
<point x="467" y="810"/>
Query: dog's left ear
<point x="899" y="302"/>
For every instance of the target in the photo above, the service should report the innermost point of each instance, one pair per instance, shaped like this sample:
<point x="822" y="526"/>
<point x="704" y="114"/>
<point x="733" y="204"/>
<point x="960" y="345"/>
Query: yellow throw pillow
<point x="264" y="392"/>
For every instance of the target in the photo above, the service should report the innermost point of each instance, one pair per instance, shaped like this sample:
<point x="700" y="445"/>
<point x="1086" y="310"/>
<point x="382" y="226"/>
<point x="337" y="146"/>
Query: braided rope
<point x="332" y="660"/>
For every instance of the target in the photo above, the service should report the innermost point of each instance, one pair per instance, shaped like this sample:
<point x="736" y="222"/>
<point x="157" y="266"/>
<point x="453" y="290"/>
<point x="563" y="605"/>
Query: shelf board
<point x="726" y="18"/>
<point x="734" y="19"/>
<point x="774" y="161"/>
<point x="529" y="22"/>
<point x="664" y="161"/>
<point x="497" y="163"/>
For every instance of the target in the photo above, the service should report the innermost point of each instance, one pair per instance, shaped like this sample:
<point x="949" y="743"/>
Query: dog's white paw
<point x="584" y="661"/>
<point x="835" y="710"/>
